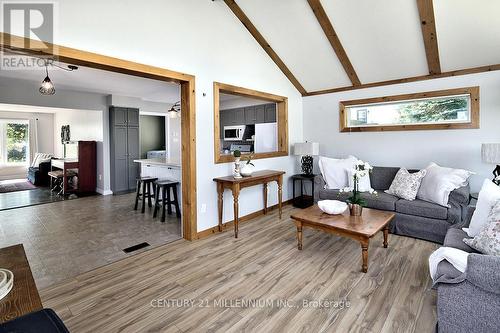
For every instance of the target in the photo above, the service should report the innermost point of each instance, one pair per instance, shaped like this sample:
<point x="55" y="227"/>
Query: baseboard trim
<point x="230" y="225"/>
<point x="103" y="192"/>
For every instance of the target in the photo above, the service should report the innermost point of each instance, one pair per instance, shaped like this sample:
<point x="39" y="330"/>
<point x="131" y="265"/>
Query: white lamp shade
<point x="306" y="148"/>
<point x="490" y="153"/>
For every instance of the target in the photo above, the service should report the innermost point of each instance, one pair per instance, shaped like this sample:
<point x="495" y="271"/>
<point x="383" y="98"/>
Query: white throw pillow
<point x="488" y="196"/>
<point x="364" y="184"/>
<point x="335" y="172"/>
<point x="39" y="158"/>
<point x="439" y="182"/>
<point x="405" y="185"/>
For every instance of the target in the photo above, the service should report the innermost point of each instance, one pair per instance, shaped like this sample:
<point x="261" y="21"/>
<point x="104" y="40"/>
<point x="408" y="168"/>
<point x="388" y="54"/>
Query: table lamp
<point x="307" y="150"/>
<point x="490" y="153"/>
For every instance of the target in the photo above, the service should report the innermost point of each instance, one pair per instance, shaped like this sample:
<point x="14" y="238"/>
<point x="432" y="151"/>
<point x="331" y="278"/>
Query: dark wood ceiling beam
<point x="427" y="22"/>
<point x="459" y="72"/>
<point x="264" y="44"/>
<point x="334" y="40"/>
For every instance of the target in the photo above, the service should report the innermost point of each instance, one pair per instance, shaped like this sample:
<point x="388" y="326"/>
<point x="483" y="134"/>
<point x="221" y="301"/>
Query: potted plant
<point x="355" y="201"/>
<point x="247" y="168"/>
<point x="237" y="157"/>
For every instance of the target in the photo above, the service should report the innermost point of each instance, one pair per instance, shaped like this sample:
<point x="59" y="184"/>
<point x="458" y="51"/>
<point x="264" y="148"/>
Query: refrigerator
<point x="266" y="138"/>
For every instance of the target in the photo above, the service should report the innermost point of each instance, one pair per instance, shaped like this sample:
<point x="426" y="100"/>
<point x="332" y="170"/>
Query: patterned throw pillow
<point x="405" y="185"/>
<point x="488" y="239"/>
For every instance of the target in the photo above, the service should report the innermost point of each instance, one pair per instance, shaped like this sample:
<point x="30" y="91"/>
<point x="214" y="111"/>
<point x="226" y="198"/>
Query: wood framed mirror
<point x="250" y="121"/>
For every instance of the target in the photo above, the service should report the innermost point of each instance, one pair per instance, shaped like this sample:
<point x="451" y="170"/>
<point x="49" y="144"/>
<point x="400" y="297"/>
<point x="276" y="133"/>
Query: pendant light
<point x="47" y="87"/>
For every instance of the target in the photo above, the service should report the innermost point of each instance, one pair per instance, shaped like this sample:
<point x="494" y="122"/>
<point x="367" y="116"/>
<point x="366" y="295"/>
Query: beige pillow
<point x="488" y="239"/>
<point x="405" y="185"/>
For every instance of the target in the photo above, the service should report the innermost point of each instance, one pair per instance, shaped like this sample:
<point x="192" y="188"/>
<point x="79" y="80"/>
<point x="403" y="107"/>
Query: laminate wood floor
<point x="257" y="283"/>
<point x="70" y="237"/>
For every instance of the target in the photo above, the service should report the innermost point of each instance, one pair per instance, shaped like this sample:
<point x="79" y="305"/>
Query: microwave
<point x="234" y="133"/>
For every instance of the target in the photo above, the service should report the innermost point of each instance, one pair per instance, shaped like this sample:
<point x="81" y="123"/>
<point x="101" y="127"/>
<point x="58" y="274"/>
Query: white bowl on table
<point x="332" y="207"/>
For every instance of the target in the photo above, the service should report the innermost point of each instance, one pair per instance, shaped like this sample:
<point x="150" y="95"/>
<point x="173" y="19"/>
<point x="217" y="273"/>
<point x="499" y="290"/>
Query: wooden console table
<point x="236" y="184"/>
<point x="23" y="298"/>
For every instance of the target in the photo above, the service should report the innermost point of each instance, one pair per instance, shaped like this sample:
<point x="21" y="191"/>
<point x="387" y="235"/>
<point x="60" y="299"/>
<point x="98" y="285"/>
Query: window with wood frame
<point x="443" y="109"/>
<point x="253" y="122"/>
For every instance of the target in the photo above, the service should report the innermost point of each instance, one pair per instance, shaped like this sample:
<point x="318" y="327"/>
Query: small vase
<point x="246" y="170"/>
<point x="355" y="210"/>
<point x="236" y="171"/>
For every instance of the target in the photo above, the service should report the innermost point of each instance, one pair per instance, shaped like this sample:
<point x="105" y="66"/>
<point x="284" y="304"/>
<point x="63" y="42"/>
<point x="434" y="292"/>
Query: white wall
<point x="410" y="149"/>
<point x="85" y="125"/>
<point x="202" y="38"/>
<point x="45" y="138"/>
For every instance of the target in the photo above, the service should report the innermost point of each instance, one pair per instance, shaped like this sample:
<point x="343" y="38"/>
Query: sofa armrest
<point x="483" y="271"/>
<point x="319" y="184"/>
<point x="44" y="167"/>
<point x="457" y="202"/>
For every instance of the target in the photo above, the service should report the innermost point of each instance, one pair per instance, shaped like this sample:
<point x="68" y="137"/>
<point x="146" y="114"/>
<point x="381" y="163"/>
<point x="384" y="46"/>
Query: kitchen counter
<point x="160" y="162"/>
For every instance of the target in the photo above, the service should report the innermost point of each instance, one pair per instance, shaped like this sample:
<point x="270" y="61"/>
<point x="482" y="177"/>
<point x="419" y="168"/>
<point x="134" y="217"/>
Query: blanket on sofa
<point x="456" y="257"/>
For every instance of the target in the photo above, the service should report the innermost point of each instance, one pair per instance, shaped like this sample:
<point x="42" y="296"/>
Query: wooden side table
<point x="262" y="177"/>
<point x="304" y="200"/>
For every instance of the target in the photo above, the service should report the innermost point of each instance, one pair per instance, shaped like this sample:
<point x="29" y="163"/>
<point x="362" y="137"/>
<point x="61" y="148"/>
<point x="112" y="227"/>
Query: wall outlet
<point x="203" y="208"/>
<point x="100" y="177"/>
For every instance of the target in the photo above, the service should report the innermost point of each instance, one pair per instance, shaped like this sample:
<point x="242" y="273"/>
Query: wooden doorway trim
<point x="188" y="115"/>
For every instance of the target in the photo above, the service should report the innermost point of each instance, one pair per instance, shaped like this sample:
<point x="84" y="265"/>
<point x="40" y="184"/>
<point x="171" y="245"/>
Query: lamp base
<point x="496" y="175"/>
<point x="307" y="165"/>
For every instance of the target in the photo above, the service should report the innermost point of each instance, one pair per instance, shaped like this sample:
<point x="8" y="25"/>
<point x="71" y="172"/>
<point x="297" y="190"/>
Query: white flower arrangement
<point x="361" y="169"/>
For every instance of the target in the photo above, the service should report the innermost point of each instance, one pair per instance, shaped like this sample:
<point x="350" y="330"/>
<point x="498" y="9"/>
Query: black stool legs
<point x="166" y="200"/>
<point x="146" y="183"/>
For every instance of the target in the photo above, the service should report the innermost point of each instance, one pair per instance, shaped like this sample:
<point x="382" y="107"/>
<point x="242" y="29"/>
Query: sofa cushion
<point x="382" y="201"/>
<point x="381" y="177"/>
<point x="422" y="208"/>
<point x="454" y="238"/>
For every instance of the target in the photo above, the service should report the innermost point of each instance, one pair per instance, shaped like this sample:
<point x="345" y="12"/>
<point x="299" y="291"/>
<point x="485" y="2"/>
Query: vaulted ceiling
<point x="335" y="45"/>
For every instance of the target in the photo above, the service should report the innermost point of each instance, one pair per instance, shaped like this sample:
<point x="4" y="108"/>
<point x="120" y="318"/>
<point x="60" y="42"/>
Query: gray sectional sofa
<point x="418" y="218"/>
<point x="468" y="302"/>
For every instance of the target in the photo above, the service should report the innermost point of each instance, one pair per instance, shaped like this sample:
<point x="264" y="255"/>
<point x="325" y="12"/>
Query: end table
<point x="303" y="200"/>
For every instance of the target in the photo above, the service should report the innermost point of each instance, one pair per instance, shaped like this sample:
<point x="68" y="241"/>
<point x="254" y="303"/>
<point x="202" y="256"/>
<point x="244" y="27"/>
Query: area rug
<point x="14" y="187"/>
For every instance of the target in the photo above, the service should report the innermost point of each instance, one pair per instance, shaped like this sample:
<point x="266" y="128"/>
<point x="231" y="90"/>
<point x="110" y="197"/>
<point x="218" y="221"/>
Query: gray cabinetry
<point x="270" y="113"/>
<point x="264" y="113"/>
<point x="124" y="130"/>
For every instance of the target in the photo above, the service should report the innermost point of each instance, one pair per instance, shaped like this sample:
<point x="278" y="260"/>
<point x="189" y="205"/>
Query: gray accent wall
<point x="152" y="131"/>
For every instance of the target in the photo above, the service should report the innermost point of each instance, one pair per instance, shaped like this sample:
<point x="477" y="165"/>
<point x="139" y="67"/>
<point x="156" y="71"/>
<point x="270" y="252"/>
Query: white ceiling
<point x="468" y="33"/>
<point x="382" y="38"/>
<point x="292" y="30"/>
<point x="99" y="81"/>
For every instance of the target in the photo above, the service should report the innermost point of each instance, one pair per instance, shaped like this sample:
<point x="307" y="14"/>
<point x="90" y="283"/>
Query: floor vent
<point x="135" y="247"/>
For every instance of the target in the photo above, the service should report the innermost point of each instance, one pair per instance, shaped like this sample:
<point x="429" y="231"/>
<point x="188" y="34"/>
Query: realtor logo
<point x="35" y="21"/>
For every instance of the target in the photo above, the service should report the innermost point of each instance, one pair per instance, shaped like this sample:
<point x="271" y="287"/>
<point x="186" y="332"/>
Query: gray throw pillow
<point x="488" y="239"/>
<point x="405" y="185"/>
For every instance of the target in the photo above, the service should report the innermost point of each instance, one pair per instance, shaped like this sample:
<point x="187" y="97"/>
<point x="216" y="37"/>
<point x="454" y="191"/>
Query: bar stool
<point x="165" y="186"/>
<point x="56" y="179"/>
<point x="147" y="183"/>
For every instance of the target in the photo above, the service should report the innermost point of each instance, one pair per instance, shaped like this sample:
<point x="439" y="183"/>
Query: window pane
<point x="449" y="109"/>
<point x="17" y="142"/>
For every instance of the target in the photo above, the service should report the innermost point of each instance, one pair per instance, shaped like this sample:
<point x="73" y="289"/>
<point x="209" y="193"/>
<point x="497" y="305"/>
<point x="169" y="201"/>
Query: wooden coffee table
<point x="360" y="228"/>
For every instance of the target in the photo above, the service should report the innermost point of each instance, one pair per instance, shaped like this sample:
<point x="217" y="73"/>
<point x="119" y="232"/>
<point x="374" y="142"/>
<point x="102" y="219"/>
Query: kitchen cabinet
<point x="270" y="113"/>
<point x="250" y="115"/>
<point x="124" y="135"/>
<point x="260" y="112"/>
<point x="265" y="113"/>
